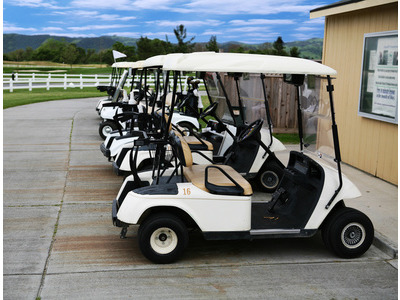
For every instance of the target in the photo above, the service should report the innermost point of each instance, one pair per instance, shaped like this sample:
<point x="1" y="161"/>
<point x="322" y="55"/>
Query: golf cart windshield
<point x="316" y="115"/>
<point x="246" y="109"/>
<point x="252" y="97"/>
<point x="216" y="94"/>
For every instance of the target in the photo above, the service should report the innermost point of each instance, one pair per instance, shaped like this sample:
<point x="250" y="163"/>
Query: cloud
<point x="174" y="23"/>
<point x="103" y="4"/>
<point x="248" y="29"/>
<point x="158" y="4"/>
<point x="303" y="36"/>
<point x="52" y="29"/>
<point x="97" y="16"/>
<point x="317" y="21"/>
<point x="212" y="32"/>
<point x="303" y="28"/>
<point x="9" y="27"/>
<point x="97" y="27"/>
<point x="261" y="22"/>
<point x="35" y="3"/>
<point x="260" y="7"/>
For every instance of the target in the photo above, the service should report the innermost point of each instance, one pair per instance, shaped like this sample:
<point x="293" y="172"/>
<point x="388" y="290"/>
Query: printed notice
<point x="384" y="101"/>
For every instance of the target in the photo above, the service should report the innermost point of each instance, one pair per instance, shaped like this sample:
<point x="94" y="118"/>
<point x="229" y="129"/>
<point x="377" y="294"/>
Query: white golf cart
<point x="232" y="107"/>
<point x="117" y="141"/>
<point x="121" y="100"/>
<point x="116" y="75"/>
<point x="219" y="202"/>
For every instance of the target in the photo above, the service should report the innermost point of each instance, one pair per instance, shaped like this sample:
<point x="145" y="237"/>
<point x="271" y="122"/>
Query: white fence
<point x="43" y="80"/>
<point x="31" y="81"/>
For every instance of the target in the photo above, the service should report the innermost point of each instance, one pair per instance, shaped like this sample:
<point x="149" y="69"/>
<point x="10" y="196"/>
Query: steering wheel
<point x="209" y="110"/>
<point x="250" y="130"/>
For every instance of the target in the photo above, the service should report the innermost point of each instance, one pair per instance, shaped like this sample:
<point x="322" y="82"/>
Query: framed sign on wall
<point x="378" y="89"/>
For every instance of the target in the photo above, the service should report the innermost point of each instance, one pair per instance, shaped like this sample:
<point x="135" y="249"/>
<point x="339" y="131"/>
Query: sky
<point x="247" y="21"/>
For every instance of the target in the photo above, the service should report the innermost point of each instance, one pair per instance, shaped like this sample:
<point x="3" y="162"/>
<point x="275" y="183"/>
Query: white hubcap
<point x="163" y="240"/>
<point x="107" y="130"/>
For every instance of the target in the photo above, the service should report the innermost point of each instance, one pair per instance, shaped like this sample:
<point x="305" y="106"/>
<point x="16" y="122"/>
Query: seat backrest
<point x="168" y="99"/>
<point x="182" y="149"/>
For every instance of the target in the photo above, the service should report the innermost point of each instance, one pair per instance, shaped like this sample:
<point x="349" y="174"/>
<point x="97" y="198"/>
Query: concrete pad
<point x="35" y="160"/>
<point x="27" y="235"/>
<point x="311" y="281"/>
<point x="20" y="286"/>
<point x="53" y="109"/>
<point x="31" y="180"/>
<point x="28" y="197"/>
<point x="91" y="185"/>
<point x="89" y="157"/>
<point x="41" y="130"/>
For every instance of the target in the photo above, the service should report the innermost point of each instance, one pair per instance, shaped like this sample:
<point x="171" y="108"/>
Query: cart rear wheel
<point x="105" y="128"/>
<point x="348" y="233"/>
<point x="270" y="177"/>
<point x="163" y="238"/>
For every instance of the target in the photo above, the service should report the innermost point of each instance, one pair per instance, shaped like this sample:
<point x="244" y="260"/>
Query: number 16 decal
<point x="186" y="191"/>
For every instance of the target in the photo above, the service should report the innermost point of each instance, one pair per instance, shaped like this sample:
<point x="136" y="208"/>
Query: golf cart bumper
<point x="106" y="152"/>
<point x="117" y="170"/>
<point x="116" y="222"/>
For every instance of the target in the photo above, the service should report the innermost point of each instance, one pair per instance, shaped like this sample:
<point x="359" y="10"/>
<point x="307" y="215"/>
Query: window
<point x="378" y="91"/>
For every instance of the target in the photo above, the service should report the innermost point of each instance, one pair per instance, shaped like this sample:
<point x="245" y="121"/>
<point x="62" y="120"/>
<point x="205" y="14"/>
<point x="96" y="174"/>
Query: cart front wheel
<point x="105" y="128"/>
<point x="349" y="233"/>
<point x="163" y="238"/>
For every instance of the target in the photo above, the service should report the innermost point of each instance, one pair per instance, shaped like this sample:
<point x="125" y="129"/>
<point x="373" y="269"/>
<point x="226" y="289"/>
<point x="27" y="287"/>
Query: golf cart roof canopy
<point x="154" y="61"/>
<point x="128" y="64"/>
<point x="244" y="63"/>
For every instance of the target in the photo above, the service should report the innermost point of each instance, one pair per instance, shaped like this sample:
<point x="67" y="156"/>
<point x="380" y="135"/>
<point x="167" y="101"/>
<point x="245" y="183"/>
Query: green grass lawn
<point x="287" y="138"/>
<point x="22" y="97"/>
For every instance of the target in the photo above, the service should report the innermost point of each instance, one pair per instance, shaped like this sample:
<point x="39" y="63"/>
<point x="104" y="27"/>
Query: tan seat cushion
<point x="192" y="140"/>
<point x="196" y="175"/>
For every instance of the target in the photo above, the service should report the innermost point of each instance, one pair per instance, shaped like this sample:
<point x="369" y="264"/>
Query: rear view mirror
<point x="295" y="79"/>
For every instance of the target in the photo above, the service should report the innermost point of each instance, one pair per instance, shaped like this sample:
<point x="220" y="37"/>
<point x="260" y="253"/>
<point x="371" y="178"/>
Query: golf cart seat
<point x="215" y="179"/>
<point x="198" y="144"/>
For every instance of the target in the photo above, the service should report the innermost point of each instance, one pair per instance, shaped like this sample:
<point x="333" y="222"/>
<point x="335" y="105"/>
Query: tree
<point x="180" y="34"/>
<point x="50" y="50"/>
<point x="294" y="52"/>
<point x="212" y="45"/>
<point x="144" y="48"/>
<point x="279" y="47"/>
<point x="70" y="54"/>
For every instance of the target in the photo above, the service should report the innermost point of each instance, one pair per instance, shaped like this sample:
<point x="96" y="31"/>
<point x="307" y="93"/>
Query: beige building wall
<point x="367" y="144"/>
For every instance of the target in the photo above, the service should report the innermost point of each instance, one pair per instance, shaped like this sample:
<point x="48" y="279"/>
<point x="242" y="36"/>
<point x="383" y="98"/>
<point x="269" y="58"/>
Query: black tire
<point x="105" y="128"/>
<point x="348" y="233"/>
<point x="269" y="177"/>
<point x="187" y="127"/>
<point x="163" y="238"/>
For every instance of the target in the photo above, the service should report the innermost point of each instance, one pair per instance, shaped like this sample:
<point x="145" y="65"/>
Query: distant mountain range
<point x="311" y="48"/>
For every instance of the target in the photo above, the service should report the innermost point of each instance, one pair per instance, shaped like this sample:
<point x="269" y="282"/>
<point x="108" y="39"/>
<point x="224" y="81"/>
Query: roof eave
<point x="346" y="7"/>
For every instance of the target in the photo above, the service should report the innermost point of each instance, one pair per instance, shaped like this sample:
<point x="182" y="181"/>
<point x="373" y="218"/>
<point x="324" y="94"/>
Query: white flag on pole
<point x="118" y="54"/>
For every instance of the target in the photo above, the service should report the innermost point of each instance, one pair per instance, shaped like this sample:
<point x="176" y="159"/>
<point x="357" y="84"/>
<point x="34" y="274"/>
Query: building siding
<point x="367" y="144"/>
